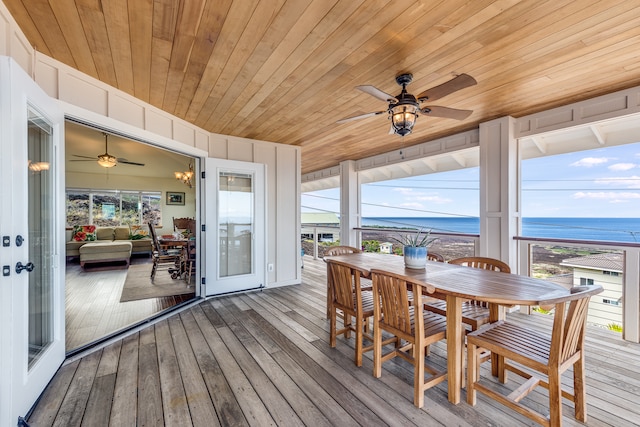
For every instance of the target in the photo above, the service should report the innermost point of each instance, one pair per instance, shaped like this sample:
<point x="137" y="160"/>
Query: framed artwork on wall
<point x="175" y="198"/>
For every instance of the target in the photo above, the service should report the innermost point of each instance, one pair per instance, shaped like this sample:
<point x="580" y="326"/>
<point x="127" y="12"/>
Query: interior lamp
<point x="185" y="177"/>
<point x="106" y="160"/>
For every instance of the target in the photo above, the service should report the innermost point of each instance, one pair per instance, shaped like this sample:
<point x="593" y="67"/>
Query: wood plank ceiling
<point x="285" y="70"/>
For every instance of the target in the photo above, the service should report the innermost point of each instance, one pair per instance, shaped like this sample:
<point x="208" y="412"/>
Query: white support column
<point x="349" y="204"/>
<point x="499" y="186"/>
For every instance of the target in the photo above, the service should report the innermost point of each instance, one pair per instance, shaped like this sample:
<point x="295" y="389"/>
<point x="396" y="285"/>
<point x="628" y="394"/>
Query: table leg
<point x="454" y="347"/>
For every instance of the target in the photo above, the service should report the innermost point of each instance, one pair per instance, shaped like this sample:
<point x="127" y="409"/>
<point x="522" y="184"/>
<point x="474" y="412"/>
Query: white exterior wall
<point x="88" y="99"/>
<point x="600" y="313"/>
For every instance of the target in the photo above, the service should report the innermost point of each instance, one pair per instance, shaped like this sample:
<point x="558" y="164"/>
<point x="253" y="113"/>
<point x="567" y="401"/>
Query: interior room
<point x="147" y="184"/>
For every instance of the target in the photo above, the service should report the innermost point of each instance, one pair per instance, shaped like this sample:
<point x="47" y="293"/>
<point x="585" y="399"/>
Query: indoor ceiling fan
<point x="403" y="109"/>
<point x="106" y="160"/>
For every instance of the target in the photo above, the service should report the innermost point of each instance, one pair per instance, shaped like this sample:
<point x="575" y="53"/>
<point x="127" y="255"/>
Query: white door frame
<point x="22" y="385"/>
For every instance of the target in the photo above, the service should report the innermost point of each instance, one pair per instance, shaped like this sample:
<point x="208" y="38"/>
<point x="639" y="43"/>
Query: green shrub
<point x="614" y="327"/>
<point x="541" y="310"/>
<point x="371" y="246"/>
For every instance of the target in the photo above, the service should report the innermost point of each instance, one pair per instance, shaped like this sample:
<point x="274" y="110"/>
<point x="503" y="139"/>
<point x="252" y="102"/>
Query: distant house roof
<point x="608" y="261"/>
<point x="324" y="218"/>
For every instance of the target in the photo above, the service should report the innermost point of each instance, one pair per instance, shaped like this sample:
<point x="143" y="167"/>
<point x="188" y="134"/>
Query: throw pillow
<point x="83" y="233"/>
<point x="138" y="232"/>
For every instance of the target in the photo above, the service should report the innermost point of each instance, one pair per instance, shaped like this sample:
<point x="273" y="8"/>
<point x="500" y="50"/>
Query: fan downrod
<point x="404" y="79"/>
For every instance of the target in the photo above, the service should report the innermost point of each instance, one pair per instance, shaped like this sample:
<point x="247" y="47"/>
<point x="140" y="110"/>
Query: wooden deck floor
<point x="263" y="358"/>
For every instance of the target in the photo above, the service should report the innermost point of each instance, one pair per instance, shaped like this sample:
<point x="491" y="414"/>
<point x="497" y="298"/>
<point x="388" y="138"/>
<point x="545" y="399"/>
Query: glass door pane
<point x="236" y="218"/>
<point x="40" y="214"/>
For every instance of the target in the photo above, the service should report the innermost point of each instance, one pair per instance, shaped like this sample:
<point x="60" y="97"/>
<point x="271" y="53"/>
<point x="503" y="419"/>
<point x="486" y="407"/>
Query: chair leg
<point x="377" y="350"/>
<point x="418" y="375"/>
<point x="328" y="301"/>
<point x="579" y="392"/>
<point x="332" y="327"/>
<point x="153" y="270"/>
<point x="359" y="328"/>
<point x="346" y="321"/>
<point x="555" y="399"/>
<point x="472" y="375"/>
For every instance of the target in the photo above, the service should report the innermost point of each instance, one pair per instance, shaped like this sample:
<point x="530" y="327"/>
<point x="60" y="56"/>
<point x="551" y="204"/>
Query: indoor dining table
<point x="455" y="284"/>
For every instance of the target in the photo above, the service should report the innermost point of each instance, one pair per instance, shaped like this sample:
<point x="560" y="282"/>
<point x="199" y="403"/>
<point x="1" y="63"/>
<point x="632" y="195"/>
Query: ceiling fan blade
<point x="78" y="160"/>
<point x="122" y="160"/>
<point x="374" y="91"/>
<point x="84" y="157"/>
<point x="361" y="116"/>
<point x="460" y="82"/>
<point x="446" y="112"/>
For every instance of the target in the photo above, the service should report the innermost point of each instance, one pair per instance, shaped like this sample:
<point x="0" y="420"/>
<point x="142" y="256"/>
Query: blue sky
<point x="595" y="183"/>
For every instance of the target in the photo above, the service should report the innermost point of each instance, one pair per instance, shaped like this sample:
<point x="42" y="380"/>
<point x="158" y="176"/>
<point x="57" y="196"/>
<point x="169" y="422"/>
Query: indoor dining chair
<point x="164" y="258"/>
<point x="549" y="355"/>
<point x="399" y="311"/>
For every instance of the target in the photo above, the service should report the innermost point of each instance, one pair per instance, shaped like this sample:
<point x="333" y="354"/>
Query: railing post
<point x="631" y="293"/>
<point x="315" y="242"/>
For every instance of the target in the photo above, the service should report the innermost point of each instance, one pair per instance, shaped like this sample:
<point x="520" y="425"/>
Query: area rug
<point x="138" y="284"/>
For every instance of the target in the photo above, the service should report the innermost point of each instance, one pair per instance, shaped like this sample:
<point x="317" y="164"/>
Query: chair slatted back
<point x="569" y="324"/>
<point x="433" y="256"/>
<point x="345" y="282"/>
<point x="482" y="263"/>
<point x="396" y="307"/>
<point x="341" y="250"/>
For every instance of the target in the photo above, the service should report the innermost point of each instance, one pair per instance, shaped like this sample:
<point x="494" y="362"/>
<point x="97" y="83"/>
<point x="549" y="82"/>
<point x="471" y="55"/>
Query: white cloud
<point x="434" y="199"/>
<point x="405" y="191"/>
<point x="622" y="166"/>
<point x="604" y="195"/>
<point x="627" y="181"/>
<point x="590" y="161"/>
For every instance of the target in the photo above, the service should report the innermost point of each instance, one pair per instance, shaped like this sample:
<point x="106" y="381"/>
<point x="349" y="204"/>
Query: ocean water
<point x="609" y="229"/>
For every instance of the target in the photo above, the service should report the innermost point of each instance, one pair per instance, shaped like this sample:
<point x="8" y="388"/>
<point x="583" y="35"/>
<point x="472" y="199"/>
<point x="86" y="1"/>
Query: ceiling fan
<point x="403" y="109"/>
<point x="106" y="160"/>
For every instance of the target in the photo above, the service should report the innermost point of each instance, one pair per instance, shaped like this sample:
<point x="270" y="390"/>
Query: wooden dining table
<point x="455" y="284"/>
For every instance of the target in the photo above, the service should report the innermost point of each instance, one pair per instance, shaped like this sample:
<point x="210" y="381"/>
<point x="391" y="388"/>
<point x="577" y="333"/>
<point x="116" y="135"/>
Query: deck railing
<point x="619" y="304"/>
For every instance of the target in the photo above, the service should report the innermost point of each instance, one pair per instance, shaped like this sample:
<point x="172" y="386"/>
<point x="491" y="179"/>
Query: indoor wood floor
<point x="93" y="309"/>
<point x="263" y="358"/>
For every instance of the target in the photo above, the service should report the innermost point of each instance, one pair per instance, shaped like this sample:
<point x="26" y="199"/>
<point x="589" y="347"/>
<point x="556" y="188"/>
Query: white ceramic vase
<point x="415" y="257"/>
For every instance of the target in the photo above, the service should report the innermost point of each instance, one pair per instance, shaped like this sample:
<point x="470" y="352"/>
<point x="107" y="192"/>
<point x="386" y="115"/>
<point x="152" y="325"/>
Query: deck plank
<point x="263" y="359"/>
<point x="149" y="395"/>
<point x="200" y="405"/>
<point x="174" y="399"/>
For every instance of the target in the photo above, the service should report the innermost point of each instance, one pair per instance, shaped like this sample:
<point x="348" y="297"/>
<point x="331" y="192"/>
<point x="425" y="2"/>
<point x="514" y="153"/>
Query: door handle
<point x="29" y="267"/>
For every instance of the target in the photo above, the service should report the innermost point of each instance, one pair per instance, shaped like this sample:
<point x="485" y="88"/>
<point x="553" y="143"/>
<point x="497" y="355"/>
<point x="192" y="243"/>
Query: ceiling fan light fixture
<point x="403" y="117"/>
<point x="106" y="160"/>
<point x="185" y="177"/>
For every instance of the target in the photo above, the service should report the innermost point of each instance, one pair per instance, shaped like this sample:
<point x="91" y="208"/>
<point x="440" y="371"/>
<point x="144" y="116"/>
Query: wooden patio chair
<point x="434" y="256"/>
<point x="548" y="355"/>
<point x="343" y="250"/>
<point x="403" y="316"/>
<point x="347" y="295"/>
<point x="163" y="257"/>
<point x="474" y="313"/>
